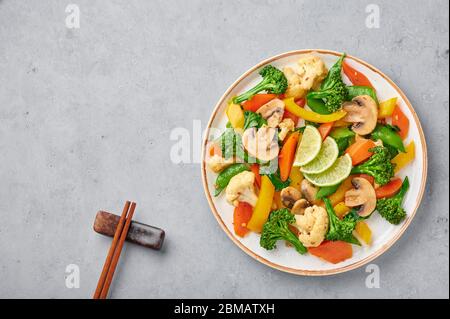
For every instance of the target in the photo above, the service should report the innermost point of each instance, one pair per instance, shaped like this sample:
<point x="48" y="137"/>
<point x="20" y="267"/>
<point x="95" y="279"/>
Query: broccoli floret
<point x="340" y="229"/>
<point x="378" y="165"/>
<point x="276" y="228"/>
<point x="391" y="208"/>
<point x="333" y="90"/>
<point x="274" y="81"/>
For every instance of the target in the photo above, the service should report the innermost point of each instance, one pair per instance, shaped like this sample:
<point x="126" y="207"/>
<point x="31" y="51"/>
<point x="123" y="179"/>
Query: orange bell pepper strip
<point x="242" y="214"/>
<point x="339" y="195"/>
<point x="287" y="154"/>
<point x="341" y="123"/>
<point x="263" y="206"/>
<point x="400" y="120"/>
<point x="403" y="159"/>
<point x="369" y="178"/>
<point x="311" y="116"/>
<point x="277" y="200"/>
<point x="215" y="150"/>
<point x="390" y="189"/>
<point x="356" y="77"/>
<point x="289" y="115"/>
<point x="257" y="101"/>
<point x="359" y="151"/>
<point x="255" y="169"/>
<point x="325" y="129"/>
<point x="332" y="251"/>
<point x="300" y="102"/>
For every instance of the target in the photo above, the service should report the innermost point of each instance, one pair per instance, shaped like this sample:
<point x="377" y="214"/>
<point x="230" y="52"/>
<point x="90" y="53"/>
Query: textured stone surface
<point x="85" y="117"/>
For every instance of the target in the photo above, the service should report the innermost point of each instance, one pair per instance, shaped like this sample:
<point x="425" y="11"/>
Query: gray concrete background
<point x="85" y="117"/>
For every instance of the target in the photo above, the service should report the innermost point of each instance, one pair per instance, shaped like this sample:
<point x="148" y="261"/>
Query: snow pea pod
<point x="355" y="90"/>
<point x="225" y="176"/>
<point x="388" y="136"/>
<point x="327" y="191"/>
<point x="317" y="105"/>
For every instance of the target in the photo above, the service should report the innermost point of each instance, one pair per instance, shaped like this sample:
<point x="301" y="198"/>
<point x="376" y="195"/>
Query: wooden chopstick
<point x="113" y="254"/>
<point x="118" y="250"/>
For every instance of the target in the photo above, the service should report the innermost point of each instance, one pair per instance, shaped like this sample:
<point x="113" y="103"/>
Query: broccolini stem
<point x="291" y="238"/>
<point x="248" y="95"/>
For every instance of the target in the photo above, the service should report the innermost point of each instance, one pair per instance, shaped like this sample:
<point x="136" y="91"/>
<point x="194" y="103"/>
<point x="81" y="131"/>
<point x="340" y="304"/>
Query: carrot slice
<point x="257" y="101"/>
<point x="255" y="169"/>
<point x="325" y="129"/>
<point x="287" y="154"/>
<point x="399" y="119"/>
<point x="242" y="214"/>
<point x="359" y="151"/>
<point x="332" y="251"/>
<point x="356" y="77"/>
<point x="390" y="189"/>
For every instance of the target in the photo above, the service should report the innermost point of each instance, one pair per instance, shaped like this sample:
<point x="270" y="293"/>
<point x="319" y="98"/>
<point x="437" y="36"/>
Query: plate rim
<point x="304" y="272"/>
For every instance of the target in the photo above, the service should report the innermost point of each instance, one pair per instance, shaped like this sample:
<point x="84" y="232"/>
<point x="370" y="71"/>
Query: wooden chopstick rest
<point x="145" y="235"/>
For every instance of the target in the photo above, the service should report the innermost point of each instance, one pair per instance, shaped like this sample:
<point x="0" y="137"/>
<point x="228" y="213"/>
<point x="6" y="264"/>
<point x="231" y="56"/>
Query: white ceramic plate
<point x="384" y="234"/>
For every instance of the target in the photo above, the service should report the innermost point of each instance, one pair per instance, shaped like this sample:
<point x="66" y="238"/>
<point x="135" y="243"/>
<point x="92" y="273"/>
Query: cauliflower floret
<point x="285" y="126"/>
<point x="312" y="225"/>
<point x="217" y="163"/>
<point x="295" y="89"/>
<point x="241" y="189"/>
<point x="310" y="73"/>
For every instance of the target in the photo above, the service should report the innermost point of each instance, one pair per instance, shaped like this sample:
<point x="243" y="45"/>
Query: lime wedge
<point x="309" y="146"/>
<point x="328" y="154"/>
<point x="339" y="171"/>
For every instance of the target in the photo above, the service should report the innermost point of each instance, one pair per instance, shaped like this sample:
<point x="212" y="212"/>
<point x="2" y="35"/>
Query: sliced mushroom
<point x="289" y="196"/>
<point x="262" y="143"/>
<point x="309" y="191"/>
<point x="272" y="111"/>
<point x="362" y="111"/>
<point x="363" y="195"/>
<point x="300" y="206"/>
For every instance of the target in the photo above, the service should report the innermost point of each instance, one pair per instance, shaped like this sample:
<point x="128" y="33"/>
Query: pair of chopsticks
<point x="113" y="256"/>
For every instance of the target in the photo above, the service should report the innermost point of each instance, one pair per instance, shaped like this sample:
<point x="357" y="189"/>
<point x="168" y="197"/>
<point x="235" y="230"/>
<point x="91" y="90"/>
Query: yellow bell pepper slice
<point x="263" y="206"/>
<point x="235" y="115"/>
<point x="311" y="116"/>
<point x="296" y="177"/>
<point x="341" y="210"/>
<point x="403" y="159"/>
<point x="364" y="232"/>
<point x="386" y="108"/>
